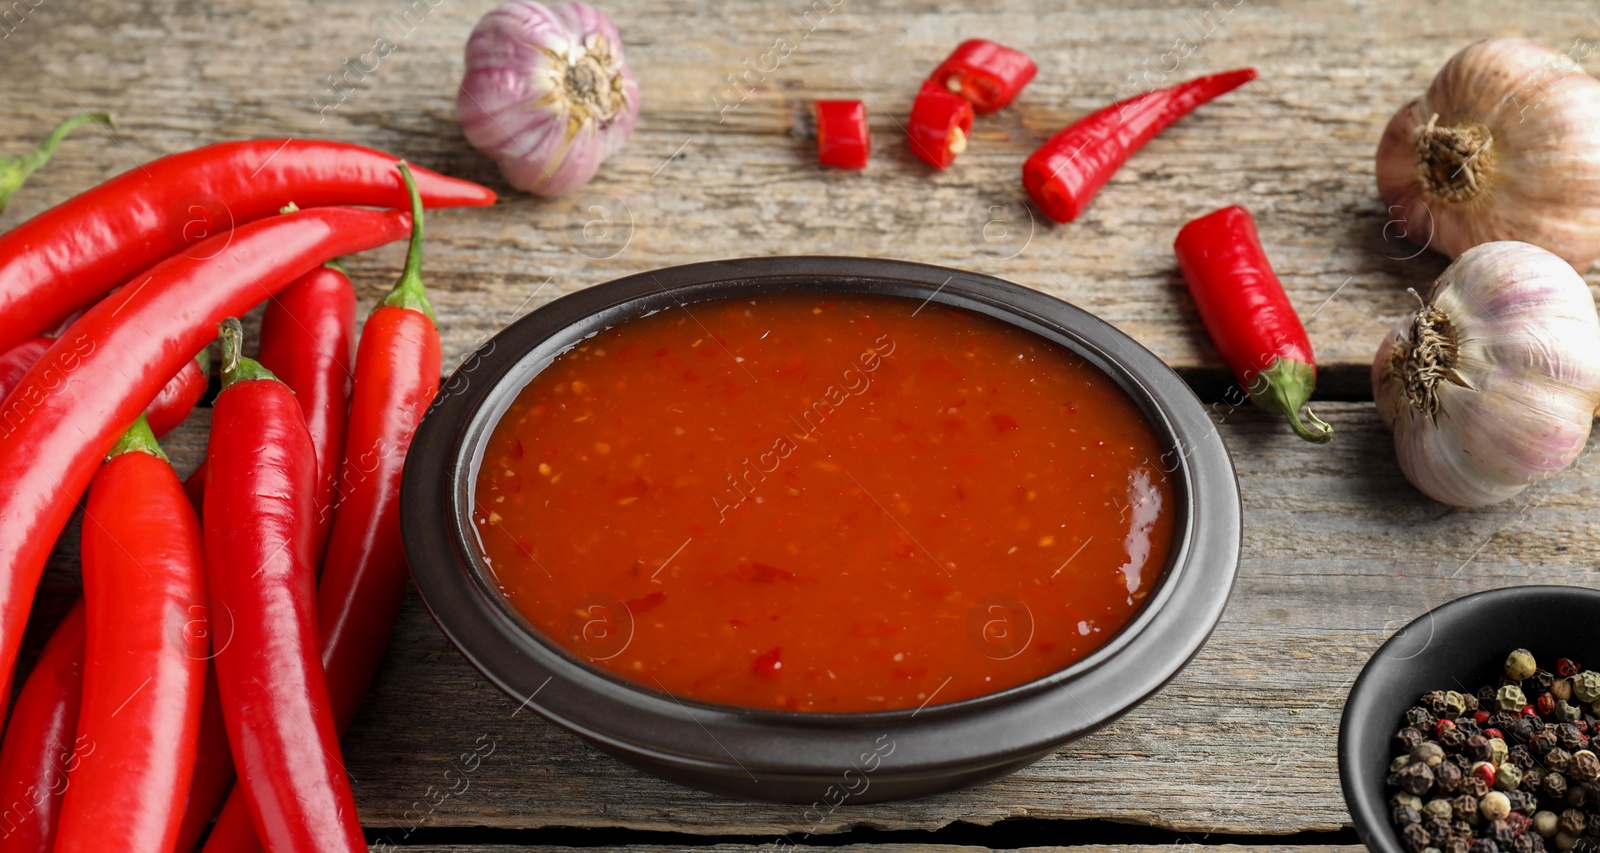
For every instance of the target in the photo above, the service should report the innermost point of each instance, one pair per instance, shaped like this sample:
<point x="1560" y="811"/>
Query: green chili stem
<point x="409" y="292"/>
<point x="14" y="171"/>
<point x="140" y="439"/>
<point x="235" y="366"/>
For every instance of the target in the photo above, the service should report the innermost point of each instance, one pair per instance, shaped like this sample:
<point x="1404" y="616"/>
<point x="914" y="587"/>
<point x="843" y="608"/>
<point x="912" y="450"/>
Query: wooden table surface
<point x="1339" y="550"/>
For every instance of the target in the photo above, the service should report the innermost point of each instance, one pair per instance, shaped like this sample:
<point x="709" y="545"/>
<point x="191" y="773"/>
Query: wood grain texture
<point x="699" y="181"/>
<point x="1339" y="550"/>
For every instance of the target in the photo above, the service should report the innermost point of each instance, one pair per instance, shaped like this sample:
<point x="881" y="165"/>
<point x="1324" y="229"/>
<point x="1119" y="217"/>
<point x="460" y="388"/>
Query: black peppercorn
<point x="1520" y="756"/>
<point x="1520" y="729"/>
<point x="1522" y="802"/>
<point x="1556" y="760"/>
<point x="1531" y="780"/>
<point x="1577" y="796"/>
<point x="1475" y="787"/>
<point x="1419" y="717"/>
<point x="1433" y="700"/>
<point x="1537" y="683"/>
<point x="1415" y="778"/>
<point x="1569" y="737"/>
<point x="1527" y="843"/>
<point x="1471" y="702"/>
<point x="1555" y="786"/>
<point x="1498" y="831"/>
<point x="1486" y="697"/>
<point x="1540" y="742"/>
<point x="1416" y="838"/>
<point x="1457" y="845"/>
<point x="1484" y="845"/>
<point x="1573" y="822"/>
<point x="1476" y="748"/>
<point x="1452" y="738"/>
<point x="1447" y="777"/>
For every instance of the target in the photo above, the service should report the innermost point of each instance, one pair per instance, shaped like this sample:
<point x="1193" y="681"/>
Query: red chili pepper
<point x="76" y="252"/>
<point x="179" y="396"/>
<point x="260" y="481"/>
<point x="364" y="571"/>
<point x="14" y="363"/>
<point x="213" y="762"/>
<point x="42" y="745"/>
<point x="987" y="74"/>
<point x="939" y="125"/>
<point x="145" y="663"/>
<point x="1250" y="319"/>
<point x="1065" y="173"/>
<point x="54" y="432"/>
<point x="842" y="137"/>
<point x="307" y="334"/>
<point x="174" y="403"/>
<point x="14" y="171"/>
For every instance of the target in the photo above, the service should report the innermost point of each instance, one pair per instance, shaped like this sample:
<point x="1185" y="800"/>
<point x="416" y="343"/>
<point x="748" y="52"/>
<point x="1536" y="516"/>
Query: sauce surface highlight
<point x="825" y="503"/>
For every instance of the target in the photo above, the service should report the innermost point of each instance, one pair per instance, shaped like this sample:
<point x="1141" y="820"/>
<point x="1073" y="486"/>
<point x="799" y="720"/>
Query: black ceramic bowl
<point x="806" y="757"/>
<point x="1461" y="646"/>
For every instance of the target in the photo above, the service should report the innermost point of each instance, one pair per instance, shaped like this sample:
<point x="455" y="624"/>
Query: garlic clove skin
<point x="1504" y="145"/>
<point x="547" y="93"/>
<point x="1492" y="385"/>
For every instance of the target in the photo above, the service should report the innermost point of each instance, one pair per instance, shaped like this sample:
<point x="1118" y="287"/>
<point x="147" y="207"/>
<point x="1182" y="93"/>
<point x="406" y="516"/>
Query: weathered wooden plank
<point x="699" y="181"/>
<point x="1339" y="553"/>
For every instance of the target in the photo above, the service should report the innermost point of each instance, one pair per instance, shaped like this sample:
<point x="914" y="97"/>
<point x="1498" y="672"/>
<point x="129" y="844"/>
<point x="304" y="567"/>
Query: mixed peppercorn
<point x="1508" y="768"/>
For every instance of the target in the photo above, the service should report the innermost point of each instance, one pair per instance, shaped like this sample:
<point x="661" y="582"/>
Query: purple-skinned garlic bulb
<point x="547" y="94"/>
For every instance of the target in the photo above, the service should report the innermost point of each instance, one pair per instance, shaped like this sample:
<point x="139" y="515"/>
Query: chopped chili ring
<point x="989" y="75"/>
<point x="842" y="138"/>
<point x="940" y="124"/>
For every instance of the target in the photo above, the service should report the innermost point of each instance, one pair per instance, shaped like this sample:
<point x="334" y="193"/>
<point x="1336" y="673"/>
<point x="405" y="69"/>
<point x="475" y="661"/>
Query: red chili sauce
<point x="822" y="503"/>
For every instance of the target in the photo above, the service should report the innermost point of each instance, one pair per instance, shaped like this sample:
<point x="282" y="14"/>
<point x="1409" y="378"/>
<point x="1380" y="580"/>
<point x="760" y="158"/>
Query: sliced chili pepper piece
<point x="260" y="481"/>
<point x="54" y="432"/>
<point x="76" y="252"/>
<point x="364" y="570"/>
<point x="145" y="664"/>
<point x="939" y="125"/>
<point x="1249" y="316"/>
<point x="307" y="335"/>
<point x="1065" y="173"/>
<point x="41" y="744"/>
<point x="179" y="396"/>
<point x="15" y="171"/>
<point x="842" y="137"/>
<point x="989" y="75"/>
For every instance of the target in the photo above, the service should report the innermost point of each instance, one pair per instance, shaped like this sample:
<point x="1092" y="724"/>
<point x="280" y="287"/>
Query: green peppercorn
<point x="1586" y="685"/>
<point x="1545" y="823"/>
<point x="1520" y="664"/>
<point x="1507" y="777"/>
<point x="1567" y="712"/>
<point x="1494" y="806"/>
<point x="1439" y="809"/>
<point x="1454" y="705"/>
<point x="1498" y="751"/>
<point x="1509" y="699"/>
<point x="1561" y="689"/>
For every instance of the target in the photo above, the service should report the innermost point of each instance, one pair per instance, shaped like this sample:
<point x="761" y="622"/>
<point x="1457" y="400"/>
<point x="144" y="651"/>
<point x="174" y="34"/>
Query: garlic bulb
<point x="1492" y="385"/>
<point x="547" y="93"/>
<point x="1504" y="145"/>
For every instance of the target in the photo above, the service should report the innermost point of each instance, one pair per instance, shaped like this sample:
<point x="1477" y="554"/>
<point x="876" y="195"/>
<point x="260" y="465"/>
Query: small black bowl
<point x="798" y="757"/>
<point x="1461" y="645"/>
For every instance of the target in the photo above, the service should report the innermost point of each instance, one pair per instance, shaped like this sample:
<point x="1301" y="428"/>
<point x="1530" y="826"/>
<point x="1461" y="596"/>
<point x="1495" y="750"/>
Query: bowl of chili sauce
<point x="817" y="530"/>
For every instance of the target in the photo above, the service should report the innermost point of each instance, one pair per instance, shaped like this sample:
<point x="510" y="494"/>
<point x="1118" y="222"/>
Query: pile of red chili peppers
<point x="139" y="714"/>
